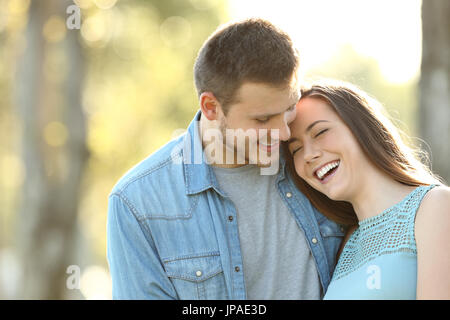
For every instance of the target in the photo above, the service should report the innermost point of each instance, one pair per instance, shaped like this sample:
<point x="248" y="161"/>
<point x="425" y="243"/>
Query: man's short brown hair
<point x="252" y="50"/>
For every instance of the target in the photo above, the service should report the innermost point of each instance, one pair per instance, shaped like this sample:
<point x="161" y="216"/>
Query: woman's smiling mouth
<point x="326" y="171"/>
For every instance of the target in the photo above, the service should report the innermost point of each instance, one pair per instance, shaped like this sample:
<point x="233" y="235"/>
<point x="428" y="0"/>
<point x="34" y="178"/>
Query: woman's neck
<point x="377" y="193"/>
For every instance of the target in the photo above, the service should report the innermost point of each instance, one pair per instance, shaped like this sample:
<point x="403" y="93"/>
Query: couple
<point x="349" y="213"/>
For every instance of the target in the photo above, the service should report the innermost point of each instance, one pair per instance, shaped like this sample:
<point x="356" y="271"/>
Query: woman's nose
<point x="310" y="152"/>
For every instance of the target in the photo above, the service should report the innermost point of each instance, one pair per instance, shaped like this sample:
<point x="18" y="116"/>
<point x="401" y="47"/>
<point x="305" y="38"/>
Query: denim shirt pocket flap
<point x="194" y="268"/>
<point x="329" y="228"/>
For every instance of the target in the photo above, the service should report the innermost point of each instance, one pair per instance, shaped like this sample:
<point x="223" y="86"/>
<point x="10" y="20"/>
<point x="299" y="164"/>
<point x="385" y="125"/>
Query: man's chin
<point x="268" y="161"/>
<point x="259" y="158"/>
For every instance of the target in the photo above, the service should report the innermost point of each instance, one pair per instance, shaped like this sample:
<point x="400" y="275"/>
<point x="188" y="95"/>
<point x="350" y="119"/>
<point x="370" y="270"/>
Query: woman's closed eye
<point x="296" y="149"/>
<point x="320" y="132"/>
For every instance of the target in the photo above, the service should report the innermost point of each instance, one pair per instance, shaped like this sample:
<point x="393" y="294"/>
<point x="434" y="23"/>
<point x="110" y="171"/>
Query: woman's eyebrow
<point x="293" y="139"/>
<point x="313" y="124"/>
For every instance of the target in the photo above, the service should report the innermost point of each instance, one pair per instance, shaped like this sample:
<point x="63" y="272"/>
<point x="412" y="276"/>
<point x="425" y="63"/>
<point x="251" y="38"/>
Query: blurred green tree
<point x="91" y="103"/>
<point x="47" y="90"/>
<point x="434" y="85"/>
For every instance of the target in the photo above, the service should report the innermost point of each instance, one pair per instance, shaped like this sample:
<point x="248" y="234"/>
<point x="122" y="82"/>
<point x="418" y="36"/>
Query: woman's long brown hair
<point x="379" y="139"/>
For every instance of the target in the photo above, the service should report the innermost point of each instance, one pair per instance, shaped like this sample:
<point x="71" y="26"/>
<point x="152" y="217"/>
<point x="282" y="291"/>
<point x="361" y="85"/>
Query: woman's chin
<point x="332" y="194"/>
<point x="337" y="195"/>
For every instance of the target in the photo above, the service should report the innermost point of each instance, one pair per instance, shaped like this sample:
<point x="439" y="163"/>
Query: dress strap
<point x="411" y="207"/>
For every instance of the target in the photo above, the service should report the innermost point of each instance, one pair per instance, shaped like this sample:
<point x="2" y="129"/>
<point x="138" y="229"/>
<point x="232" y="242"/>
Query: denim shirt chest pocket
<point x="197" y="277"/>
<point x="184" y="236"/>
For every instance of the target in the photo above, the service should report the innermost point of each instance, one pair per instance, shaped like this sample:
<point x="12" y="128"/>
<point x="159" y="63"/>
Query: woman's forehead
<point x="311" y="109"/>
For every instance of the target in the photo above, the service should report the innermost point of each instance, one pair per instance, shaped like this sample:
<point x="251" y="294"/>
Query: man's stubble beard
<point x="226" y="145"/>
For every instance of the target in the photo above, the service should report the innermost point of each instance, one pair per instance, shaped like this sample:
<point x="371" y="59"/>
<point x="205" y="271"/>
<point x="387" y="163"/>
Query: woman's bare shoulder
<point x="432" y="233"/>
<point x="436" y="200"/>
<point x="434" y="212"/>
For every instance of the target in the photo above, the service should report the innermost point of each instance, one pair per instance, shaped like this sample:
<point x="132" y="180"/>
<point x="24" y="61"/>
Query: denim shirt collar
<point x="198" y="174"/>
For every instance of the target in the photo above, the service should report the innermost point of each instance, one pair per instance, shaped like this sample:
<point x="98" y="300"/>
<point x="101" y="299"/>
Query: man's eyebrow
<point x="269" y="115"/>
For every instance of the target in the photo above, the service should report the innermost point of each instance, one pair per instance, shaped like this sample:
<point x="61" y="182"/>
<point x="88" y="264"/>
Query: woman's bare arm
<point x="432" y="232"/>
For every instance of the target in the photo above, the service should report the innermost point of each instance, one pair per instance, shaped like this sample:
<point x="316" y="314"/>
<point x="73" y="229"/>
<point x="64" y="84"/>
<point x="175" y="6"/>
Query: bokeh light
<point x="18" y="7"/>
<point x="204" y="4"/>
<point x="105" y="4"/>
<point x="176" y="31"/>
<point x="54" y="29"/>
<point x="84" y="4"/>
<point x="12" y="170"/>
<point x="95" y="283"/>
<point x="55" y="134"/>
<point x="97" y="29"/>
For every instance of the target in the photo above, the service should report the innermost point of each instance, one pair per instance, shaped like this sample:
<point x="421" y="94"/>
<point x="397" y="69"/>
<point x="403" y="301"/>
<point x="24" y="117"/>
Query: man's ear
<point x="210" y="105"/>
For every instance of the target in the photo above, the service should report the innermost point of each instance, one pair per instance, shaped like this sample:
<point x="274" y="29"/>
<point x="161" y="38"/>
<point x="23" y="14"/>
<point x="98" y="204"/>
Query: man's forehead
<point x="262" y="94"/>
<point x="258" y="89"/>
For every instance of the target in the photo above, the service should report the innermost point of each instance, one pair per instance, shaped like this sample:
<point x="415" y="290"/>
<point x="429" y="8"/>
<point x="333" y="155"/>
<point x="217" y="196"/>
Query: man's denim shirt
<point x="173" y="234"/>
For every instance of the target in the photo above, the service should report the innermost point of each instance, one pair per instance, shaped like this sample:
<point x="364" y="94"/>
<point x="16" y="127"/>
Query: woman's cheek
<point x="299" y="167"/>
<point x="328" y="141"/>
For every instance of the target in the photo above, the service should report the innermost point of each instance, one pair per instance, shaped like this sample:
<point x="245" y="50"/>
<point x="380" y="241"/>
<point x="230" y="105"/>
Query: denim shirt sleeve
<point x="136" y="270"/>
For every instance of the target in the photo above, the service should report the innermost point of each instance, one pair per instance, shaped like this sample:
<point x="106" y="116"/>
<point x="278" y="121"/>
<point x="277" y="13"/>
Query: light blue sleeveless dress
<point x="379" y="260"/>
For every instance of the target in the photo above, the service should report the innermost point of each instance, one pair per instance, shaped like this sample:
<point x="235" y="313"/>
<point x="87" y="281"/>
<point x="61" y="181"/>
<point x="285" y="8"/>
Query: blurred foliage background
<point x="80" y="107"/>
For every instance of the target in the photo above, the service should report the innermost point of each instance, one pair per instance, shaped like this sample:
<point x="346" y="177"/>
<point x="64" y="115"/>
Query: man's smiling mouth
<point x="269" y="147"/>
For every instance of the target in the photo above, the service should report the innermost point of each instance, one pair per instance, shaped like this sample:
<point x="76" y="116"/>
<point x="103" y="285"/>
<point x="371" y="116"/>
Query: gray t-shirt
<point x="277" y="262"/>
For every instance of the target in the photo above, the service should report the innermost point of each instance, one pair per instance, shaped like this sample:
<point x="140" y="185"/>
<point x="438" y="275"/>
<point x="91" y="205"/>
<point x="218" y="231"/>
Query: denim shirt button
<point x="236" y="269"/>
<point x="314" y="240"/>
<point x="198" y="273"/>
<point x="288" y="194"/>
<point x="230" y="218"/>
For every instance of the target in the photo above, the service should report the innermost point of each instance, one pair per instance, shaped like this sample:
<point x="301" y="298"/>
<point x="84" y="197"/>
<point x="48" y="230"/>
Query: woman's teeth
<point x="323" y="171"/>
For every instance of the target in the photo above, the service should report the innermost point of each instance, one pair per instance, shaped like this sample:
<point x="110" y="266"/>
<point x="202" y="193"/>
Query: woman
<point x="355" y="168"/>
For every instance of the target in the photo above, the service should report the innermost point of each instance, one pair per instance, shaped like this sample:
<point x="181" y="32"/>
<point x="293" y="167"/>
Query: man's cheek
<point x="290" y="116"/>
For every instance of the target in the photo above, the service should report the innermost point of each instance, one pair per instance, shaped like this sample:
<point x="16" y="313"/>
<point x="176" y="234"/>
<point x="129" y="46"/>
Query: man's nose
<point x="288" y="118"/>
<point x="285" y="133"/>
<point x="284" y="130"/>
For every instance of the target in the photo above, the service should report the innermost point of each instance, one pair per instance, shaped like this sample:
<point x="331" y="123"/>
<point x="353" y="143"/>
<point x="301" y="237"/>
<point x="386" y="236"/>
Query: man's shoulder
<point x="157" y="163"/>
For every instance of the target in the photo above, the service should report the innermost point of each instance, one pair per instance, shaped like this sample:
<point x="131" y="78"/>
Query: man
<point x="213" y="214"/>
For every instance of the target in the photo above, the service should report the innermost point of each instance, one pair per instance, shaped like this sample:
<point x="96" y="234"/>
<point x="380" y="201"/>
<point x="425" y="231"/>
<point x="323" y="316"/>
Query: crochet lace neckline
<point x="390" y="232"/>
<point x="379" y="216"/>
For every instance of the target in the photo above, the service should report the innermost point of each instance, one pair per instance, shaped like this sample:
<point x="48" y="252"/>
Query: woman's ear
<point x="209" y="105"/>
